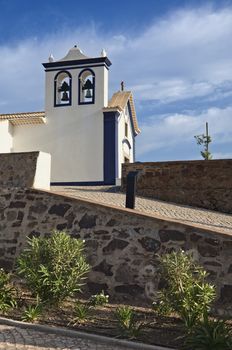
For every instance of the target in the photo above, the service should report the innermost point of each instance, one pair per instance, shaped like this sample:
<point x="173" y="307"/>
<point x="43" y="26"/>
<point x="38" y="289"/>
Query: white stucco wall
<point x="106" y="87"/>
<point x="43" y="171"/>
<point x="6" y="136"/>
<point x="123" y="150"/>
<point x="73" y="135"/>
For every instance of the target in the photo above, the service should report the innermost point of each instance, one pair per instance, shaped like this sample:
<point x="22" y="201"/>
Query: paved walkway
<point x="15" y="338"/>
<point x="112" y="196"/>
<point x="20" y="336"/>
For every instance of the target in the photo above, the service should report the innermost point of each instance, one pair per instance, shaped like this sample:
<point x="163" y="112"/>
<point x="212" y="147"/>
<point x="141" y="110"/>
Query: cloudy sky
<point x="176" y="57"/>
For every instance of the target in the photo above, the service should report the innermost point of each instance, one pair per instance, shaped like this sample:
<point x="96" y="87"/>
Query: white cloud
<point x="173" y="90"/>
<point x="167" y="131"/>
<point x="187" y="54"/>
<point x="189" y="50"/>
<point x="183" y="56"/>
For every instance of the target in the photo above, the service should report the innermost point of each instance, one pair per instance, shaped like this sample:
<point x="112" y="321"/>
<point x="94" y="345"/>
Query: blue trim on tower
<point x="78" y="183"/>
<point x="79" y="88"/>
<point x="134" y="154"/>
<point x="109" y="148"/>
<point x="78" y="67"/>
<point x="78" y="62"/>
<point x="55" y="88"/>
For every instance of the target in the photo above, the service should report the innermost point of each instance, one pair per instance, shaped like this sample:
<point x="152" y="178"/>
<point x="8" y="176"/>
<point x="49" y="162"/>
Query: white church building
<point x="87" y="136"/>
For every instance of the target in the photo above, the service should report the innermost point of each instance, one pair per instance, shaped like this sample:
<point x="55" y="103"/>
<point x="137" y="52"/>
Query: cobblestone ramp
<point x="113" y="196"/>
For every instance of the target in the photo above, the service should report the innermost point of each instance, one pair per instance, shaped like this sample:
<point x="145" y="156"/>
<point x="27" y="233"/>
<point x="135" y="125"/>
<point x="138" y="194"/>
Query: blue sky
<point x="176" y="57"/>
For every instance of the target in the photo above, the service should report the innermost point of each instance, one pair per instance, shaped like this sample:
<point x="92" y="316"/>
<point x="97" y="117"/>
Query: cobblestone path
<point x="189" y="215"/>
<point x="15" y="338"/>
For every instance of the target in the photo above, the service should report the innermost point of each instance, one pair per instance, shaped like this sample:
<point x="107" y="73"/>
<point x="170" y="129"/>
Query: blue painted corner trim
<point x="78" y="183"/>
<point x="134" y="154"/>
<point x="109" y="148"/>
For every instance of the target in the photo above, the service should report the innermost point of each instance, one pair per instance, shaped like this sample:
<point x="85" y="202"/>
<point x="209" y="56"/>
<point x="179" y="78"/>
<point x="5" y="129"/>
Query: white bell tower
<point x="87" y="136"/>
<point x="76" y="80"/>
<point x="75" y="94"/>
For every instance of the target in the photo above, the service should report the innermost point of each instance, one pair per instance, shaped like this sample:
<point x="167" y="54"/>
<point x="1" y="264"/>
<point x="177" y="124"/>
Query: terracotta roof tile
<point x="24" y="118"/>
<point x="119" y="101"/>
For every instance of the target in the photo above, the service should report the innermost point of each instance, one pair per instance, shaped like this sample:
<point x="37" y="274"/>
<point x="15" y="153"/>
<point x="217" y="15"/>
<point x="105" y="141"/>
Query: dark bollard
<point x="131" y="189"/>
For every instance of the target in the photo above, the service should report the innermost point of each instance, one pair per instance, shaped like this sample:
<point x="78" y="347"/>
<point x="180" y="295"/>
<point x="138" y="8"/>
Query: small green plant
<point x="205" y="141"/>
<point x="187" y="293"/>
<point x="81" y="312"/>
<point x="7" y="300"/>
<point x="162" y="308"/>
<point x="99" y="299"/>
<point x="54" y="268"/>
<point x="32" y="313"/>
<point x="210" y="334"/>
<point x="127" y="323"/>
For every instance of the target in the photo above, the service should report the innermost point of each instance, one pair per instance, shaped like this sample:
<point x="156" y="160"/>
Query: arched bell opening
<point x="63" y="89"/>
<point x="86" y="86"/>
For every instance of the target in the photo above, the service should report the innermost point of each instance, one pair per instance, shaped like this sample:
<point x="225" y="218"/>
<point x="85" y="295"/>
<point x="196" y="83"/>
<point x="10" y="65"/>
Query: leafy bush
<point x="7" y="300"/>
<point x="54" y="267"/>
<point x="187" y="293"/>
<point x="81" y="312"/>
<point x="210" y="334"/>
<point x="99" y="299"/>
<point x="32" y="313"/>
<point x="127" y="323"/>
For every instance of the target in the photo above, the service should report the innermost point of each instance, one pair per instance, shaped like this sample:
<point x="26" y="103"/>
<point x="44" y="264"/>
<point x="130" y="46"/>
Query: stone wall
<point x="206" y="184"/>
<point x="25" y="169"/>
<point x="121" y="244"/>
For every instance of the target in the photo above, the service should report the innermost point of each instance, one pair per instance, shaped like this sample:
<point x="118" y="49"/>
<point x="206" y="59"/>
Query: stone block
<point x="88" y="221"/>
<point x="171" y="235"/>
<point x="115" y="244"/>
<point x="59" y="209"/>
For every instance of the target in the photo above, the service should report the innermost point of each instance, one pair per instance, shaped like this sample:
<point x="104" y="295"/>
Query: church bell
<point x="65" y="96"/>
<point x="64" y="88"/>
<point x="88" y="86"/>
<point x="88" y="94"/>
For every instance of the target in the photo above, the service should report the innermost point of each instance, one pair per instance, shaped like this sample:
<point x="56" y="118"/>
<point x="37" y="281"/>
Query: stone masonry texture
<point x="18" y="169"/>
<point x="121" y="244"/>
<point x="206" y="184"/>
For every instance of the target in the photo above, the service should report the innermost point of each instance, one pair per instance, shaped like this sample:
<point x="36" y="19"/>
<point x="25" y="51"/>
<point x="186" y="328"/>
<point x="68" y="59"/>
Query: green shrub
<point x="210" y="334"/>
<point x="32" y="313"/>
<point x="81" y="312"/>
<point x="127" y="323"/>
<point x="99" y="299"/>
<point x="54" y="267"/>
<point x="7" y="300"/>
<point x="186" y="292"/>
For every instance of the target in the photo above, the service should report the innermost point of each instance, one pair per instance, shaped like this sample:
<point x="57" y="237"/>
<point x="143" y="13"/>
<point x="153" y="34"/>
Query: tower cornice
<point x="89" y="61"/>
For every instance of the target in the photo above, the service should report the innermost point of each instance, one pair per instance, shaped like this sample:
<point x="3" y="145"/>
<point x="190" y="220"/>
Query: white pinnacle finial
<point x="103" y="53"/>
<point x="51" y="58"/>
